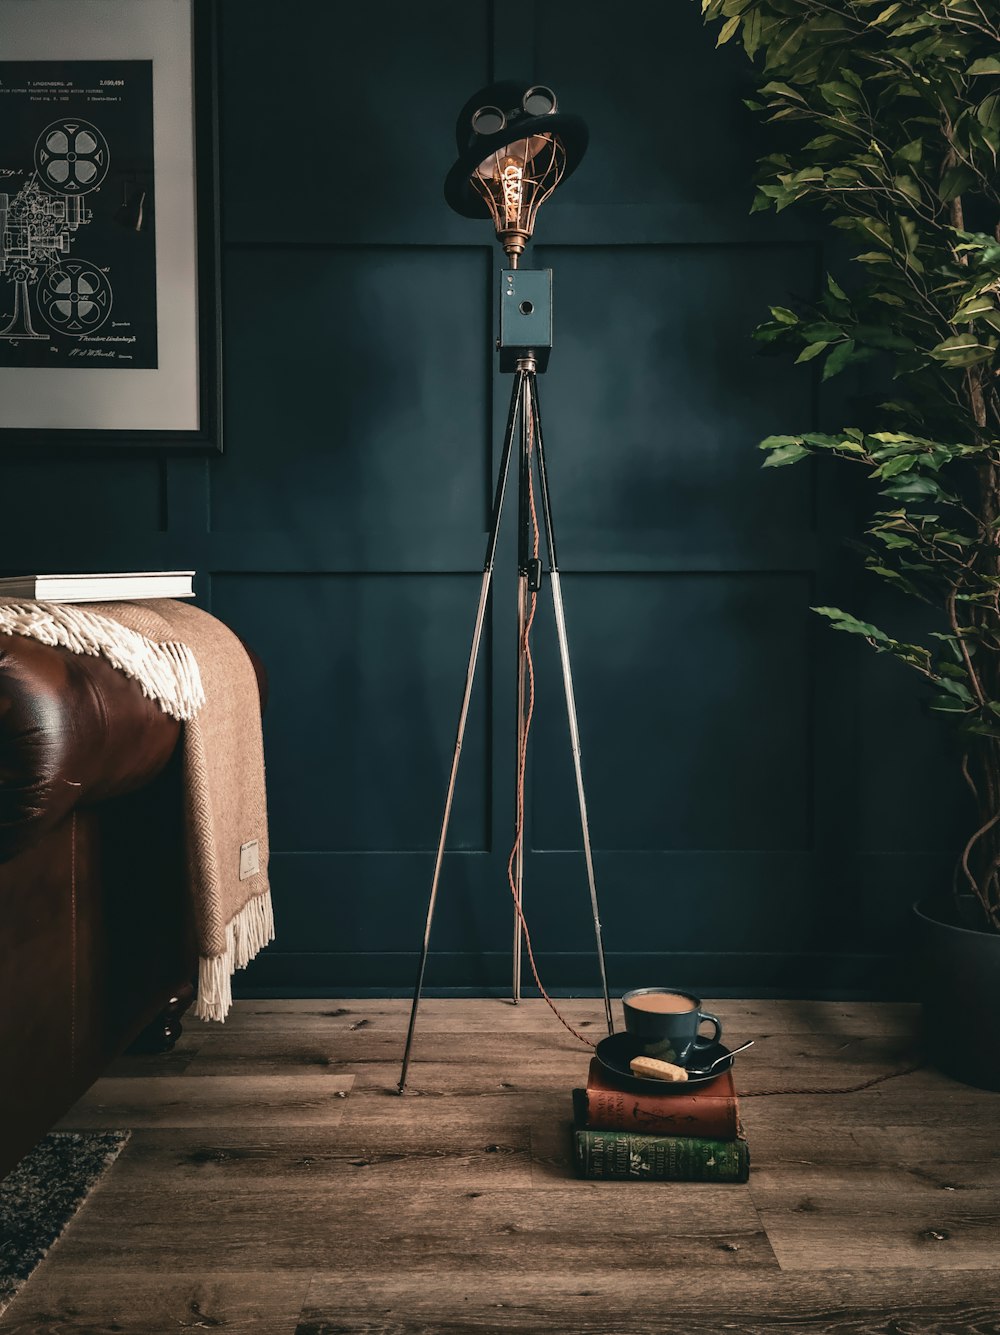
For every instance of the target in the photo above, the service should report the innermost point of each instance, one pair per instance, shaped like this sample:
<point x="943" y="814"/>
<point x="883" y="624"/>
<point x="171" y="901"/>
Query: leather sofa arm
<point x="73" y="731"/>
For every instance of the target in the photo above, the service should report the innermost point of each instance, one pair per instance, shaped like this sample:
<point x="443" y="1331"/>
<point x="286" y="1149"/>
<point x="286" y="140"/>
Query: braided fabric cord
<point x="837" y="1089"/>
<point x="525" y="649"/>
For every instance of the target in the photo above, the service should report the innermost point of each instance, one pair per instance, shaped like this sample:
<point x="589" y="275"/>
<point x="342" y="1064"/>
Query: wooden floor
<point x="276" y="1183"/>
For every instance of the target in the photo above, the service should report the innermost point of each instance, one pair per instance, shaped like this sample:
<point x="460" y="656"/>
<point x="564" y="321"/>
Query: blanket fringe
<point x="168" y="673"/>
<point x="247" y="934"/>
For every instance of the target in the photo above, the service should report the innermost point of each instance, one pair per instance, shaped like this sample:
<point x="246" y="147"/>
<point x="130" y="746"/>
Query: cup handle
<point x="700" y="1040"/>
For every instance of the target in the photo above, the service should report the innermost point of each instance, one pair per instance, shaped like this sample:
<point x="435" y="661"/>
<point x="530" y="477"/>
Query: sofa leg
<point x="162" y="1033"/>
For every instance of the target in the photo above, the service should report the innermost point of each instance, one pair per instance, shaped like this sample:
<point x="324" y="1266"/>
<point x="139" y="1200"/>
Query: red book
<point x="710" y="1111"/>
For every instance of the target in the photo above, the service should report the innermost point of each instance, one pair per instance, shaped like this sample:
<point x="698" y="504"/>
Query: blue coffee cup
<point x="666" y="1023"/>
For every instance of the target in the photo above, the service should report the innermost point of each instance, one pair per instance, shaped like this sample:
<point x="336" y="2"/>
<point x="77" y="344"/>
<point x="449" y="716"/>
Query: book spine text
<point x="668" y="1115"/>
<point x="624" y="1156"/>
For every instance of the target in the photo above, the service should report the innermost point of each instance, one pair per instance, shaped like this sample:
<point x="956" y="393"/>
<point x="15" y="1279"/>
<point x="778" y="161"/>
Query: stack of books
<point x="681" y="1135"/>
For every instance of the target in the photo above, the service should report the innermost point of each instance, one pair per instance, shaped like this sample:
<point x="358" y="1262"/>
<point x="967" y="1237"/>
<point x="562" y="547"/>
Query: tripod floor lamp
<point x="515" y="147"/>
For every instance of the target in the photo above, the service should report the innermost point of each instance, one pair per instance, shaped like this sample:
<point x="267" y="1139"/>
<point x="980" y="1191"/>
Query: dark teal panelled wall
<point x="765" y="798"/>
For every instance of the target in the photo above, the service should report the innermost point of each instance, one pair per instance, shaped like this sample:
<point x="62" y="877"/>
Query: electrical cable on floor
<point x="844" y="1089"/>
<point x="525" y="649"/>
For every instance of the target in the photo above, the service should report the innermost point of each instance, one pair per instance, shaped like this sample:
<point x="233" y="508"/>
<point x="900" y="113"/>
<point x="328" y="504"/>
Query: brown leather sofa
<point x="96" y="948"/>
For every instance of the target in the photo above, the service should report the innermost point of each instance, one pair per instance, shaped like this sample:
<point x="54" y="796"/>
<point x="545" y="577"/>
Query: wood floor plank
<point x="488" y="1015"/>
<point x="154" y="1064"/>
<point x="385" y="1108"/>
<point x="358" y="1051"/>
<point x="64" y="1301"/>
<point x="436" y="1015"/>
<point x="880" y="1217"/>
<point x="595" y="1299"/>
<point x="850" y="1187"/>
<point x="795" y="1059"/>
<point x="345" y="1224"/>
<point x="509" y="1066"/>
<point x="402" y="1156"/>
<point x="250" y="1172"/>
<point x="220" y="1100"/>
<point x="909" y="1102"/>
<point x="933" y="1154"/>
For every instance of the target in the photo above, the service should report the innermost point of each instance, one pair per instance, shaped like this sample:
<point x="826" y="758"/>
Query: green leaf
<point x="824" y="442"/>
<point x="838" y="359"/>
<point x="834" y="287"/>
<point x="988" y="112"/>
<point x="907" y="186"/>
<point x="727" y="30"/>
<point x="911" y="152"/>
<point x="955" y="671"/>
<point x="784" y="315"/>
<point x="844" y="621"/>
<point x="973" y="307"/>
<point x="917" y="25"/>
<point x="894" y="541"/>
<point x="913" y="489"/>
<point x="753" y="32"/>
<point x="900" y="464"/>
<point x="986" y="65"/>
<point x="909" y="237"/>
<point x="841" y="95"/>
<point x="783" y="89"/>
<point x="958" y="689"/>
<point x="947" y="704"/>
<point x="785" y="454"/>
<point x="954" y="182"/>
<point x="876" y="336"/>
<point x="964" y="350"/>
<point x="821" y="330"/>
<point x="808" y="353"/>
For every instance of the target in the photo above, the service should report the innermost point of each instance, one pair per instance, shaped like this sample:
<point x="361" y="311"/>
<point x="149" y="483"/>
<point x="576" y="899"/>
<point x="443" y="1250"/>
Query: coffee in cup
<point x="665" y="1023"/>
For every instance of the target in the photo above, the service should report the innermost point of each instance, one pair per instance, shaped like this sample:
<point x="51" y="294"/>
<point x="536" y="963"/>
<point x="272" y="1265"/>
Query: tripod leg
<point x="574" y="731"/>
<point x="523" y="550"/>
<point x="491" y="547"/>
<point x="522" y="617"/>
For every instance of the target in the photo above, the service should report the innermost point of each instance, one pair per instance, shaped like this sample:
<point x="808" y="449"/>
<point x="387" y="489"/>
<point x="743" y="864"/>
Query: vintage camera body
<point x="525" y="317"/>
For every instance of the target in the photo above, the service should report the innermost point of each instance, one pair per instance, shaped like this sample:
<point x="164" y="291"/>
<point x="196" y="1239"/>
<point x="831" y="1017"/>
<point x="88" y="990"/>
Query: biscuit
<point x="648" y="1068"/>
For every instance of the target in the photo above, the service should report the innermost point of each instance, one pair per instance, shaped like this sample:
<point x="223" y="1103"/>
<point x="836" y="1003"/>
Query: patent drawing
<point x="38" y="228"/>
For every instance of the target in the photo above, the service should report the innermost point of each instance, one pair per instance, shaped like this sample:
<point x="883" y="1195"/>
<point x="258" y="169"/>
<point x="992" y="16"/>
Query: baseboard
<point x="814" y="976"/>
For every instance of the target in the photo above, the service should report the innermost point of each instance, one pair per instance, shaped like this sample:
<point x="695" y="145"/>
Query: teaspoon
<point x="707" y="1070"/>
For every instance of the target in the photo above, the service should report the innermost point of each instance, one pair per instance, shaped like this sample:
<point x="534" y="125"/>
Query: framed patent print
<point x="109" y="302"/>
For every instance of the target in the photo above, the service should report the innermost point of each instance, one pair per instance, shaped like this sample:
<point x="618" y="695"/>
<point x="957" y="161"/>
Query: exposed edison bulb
<point x="514" y="180"/>
<point x="508" y="176"/>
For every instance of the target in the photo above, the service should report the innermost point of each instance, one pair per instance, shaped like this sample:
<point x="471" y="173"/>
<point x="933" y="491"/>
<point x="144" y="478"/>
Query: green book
<point x="628" y="1155"/>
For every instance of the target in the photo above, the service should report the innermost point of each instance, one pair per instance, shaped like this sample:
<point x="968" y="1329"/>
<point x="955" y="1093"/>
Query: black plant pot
<point x="960" y="992"/>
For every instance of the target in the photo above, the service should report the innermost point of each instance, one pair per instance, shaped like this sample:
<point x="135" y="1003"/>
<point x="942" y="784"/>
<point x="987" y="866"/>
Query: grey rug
<point x="41" y="1195"/>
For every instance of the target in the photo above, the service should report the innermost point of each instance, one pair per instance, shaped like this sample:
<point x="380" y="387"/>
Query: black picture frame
<point x="204" y="398"/>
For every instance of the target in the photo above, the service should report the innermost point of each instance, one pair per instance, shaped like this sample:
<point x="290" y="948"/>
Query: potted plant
<point x="887" y="116"/>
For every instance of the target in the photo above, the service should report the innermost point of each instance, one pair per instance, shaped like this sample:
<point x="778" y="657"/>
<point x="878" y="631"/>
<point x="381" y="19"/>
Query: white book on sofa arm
<point x="128" y="586"/>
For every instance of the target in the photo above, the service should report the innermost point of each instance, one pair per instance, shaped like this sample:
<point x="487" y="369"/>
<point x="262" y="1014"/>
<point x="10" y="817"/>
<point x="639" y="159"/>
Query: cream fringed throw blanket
<point x="198" y="671"/>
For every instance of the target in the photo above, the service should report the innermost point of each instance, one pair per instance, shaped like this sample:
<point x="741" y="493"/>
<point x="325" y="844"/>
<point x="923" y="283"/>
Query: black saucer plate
<point x="617" y="1050"/>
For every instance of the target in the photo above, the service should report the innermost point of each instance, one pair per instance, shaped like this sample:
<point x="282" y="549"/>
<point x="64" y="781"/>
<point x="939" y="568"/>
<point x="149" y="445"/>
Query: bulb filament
<point x="511" y="181"/>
